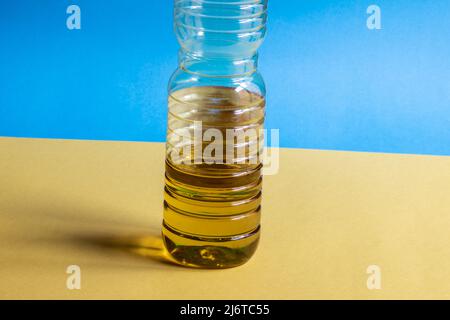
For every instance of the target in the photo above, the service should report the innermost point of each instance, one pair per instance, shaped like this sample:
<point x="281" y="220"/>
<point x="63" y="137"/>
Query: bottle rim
<point x="224" y="2"/>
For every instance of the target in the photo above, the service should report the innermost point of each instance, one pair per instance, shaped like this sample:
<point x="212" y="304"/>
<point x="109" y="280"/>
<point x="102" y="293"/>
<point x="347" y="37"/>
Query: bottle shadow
<point x="145" y="246"/>
<point x="98" y="235"/>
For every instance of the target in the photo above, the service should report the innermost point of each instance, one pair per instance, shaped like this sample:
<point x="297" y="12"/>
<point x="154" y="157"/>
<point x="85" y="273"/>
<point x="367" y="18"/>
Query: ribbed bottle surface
<point x="212" y="201"/>
<point x="220" y="28"/>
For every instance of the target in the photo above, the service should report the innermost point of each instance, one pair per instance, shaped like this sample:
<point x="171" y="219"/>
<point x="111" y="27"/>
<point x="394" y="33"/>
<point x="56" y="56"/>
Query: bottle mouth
<point x="217" y="66"/>
<point x="227" y="16"/>
<point x="238" y="9"/>
<point x="223" y="2"/>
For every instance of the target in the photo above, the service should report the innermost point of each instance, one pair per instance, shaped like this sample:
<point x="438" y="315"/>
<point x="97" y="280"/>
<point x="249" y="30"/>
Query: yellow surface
<point x="327" y="216"/>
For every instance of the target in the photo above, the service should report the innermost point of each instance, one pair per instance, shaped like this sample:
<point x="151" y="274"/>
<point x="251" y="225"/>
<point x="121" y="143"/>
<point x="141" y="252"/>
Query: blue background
<point x="332" y="83"/>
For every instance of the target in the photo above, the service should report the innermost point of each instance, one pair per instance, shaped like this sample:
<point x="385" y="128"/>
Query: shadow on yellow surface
<point x="59" y="224"/>
<point x="145" y="246"/>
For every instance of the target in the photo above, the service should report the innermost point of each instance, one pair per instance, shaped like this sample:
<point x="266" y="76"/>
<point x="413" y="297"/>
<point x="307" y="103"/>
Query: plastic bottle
<point x="212" y="202"/>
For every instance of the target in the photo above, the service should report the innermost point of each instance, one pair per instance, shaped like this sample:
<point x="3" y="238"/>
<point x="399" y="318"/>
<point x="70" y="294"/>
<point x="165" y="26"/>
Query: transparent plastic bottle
<point x="212" y="200"/>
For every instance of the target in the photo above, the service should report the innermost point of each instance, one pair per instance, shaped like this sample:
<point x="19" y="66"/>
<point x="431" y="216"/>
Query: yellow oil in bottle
<point x="212" y="205"/>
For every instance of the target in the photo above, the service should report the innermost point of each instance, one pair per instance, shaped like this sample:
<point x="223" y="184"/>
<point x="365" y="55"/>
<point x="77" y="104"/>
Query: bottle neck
<point x="217" y="66"/>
